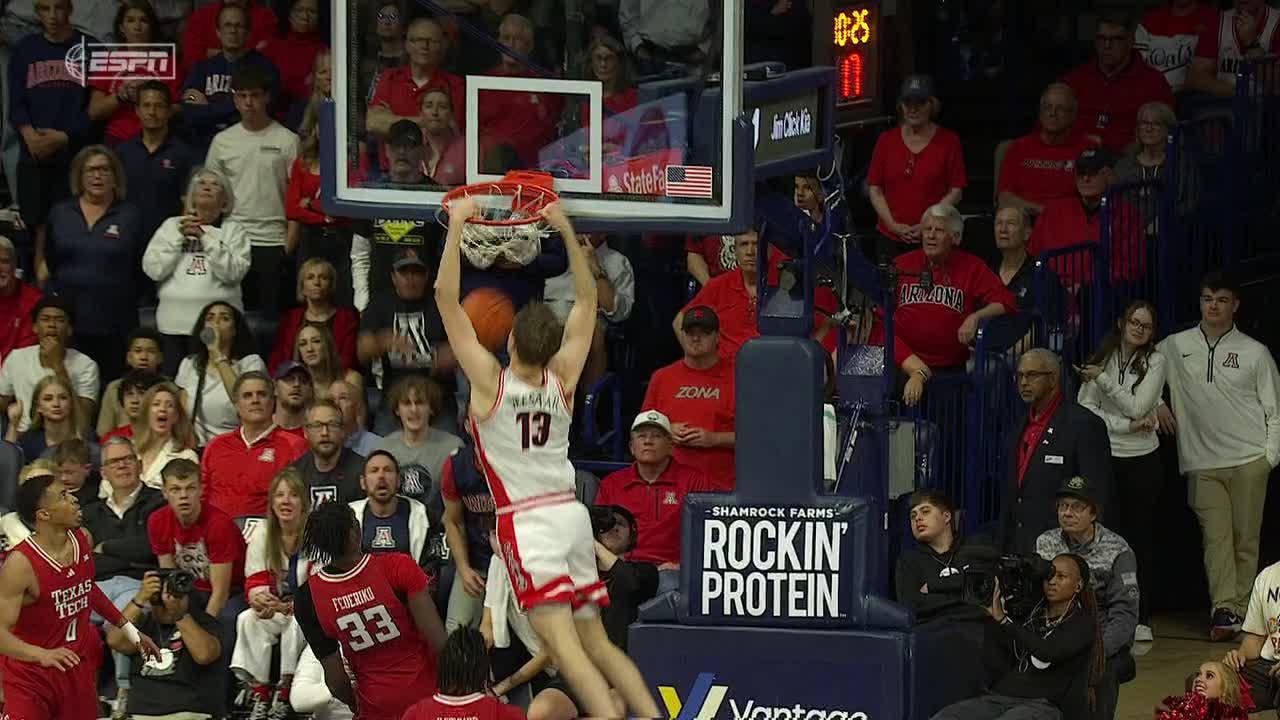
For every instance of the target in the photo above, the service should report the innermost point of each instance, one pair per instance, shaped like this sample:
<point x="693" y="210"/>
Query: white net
<point x="484" y="242"/>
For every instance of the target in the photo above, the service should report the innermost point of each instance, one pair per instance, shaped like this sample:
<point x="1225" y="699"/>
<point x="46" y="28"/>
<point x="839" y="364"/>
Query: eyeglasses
<point x="99" y="170"/>
<point x="388" y="16"/>
<point x="1031" y="374"/>
<point x="332" y="427"/>
<point x="120" y="462"/>
<point x="1137" y="324"/>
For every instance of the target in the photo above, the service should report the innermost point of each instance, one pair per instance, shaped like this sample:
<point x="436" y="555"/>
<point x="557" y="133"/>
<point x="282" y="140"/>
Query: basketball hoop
<point x="510" y="223"/>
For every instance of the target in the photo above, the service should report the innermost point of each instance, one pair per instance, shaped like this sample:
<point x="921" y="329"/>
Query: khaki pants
<point x="1228" y="502"/>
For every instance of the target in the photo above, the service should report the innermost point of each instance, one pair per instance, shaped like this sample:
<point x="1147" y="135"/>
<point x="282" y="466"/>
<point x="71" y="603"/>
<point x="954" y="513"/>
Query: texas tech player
<point x="51" y="651"/>
<point x="464" y="684"/>
<point x="377" y="609"/>
<point x="520" y="417"/>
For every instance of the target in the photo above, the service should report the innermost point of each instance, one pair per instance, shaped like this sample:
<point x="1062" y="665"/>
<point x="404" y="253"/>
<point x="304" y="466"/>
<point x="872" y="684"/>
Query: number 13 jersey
<point x="364" y="611"/>
<point x="523" y="443"/>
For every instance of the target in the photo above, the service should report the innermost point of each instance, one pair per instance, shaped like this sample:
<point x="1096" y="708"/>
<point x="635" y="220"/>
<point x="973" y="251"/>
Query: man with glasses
<point x="331" y="470"/>
<point x="398" y="92"/>
<point x="1038" y="166"/>
<point x="1226" y="395"/>
<point x="208" y="104"/>
<point x="117" y="518"/>
<point x="202" y="37"/>
<point x="1115" y="83"/>
<point x="1056" y="441"/>
<point x="1113" y="573"/>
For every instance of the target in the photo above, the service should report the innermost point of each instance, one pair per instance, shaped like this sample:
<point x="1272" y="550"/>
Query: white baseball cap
<point x="651" y="417"/>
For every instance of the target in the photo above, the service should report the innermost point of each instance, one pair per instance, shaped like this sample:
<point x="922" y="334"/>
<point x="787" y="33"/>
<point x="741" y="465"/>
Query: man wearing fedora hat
<point x="1114" y="571"/>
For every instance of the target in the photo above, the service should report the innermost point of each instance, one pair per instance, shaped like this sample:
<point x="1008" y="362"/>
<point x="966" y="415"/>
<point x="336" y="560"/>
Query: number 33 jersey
<point x="522" y="443"/>
<point x="364" y="612"/>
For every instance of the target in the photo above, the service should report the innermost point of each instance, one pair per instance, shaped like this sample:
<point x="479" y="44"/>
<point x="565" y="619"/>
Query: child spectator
<point x="143" y="354"/>
<point x="128" y="395"/>
<point x="1216" y="694"/>
<point x="54" y="417"/>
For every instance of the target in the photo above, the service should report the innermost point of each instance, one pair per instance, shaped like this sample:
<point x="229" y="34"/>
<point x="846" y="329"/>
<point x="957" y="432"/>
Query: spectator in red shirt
<point x="1167" y="37"/>
<point x="1247" y="31"/>
<point x="17" y="300"/>
<point x="201" y="539"/>
<point x="526" y="122"/>
<point x="294" y="53"/>
<point x="943" y="294"/>
<point x="312" y="233"/>
<point x="200" y="40"/>
<point x="398" y="92"/>
<point x="731" y="297"/>
<point x="238" y="466"/>
<point x="115" y="100"/>
<point x="696" y="393"/>
<point x="1115" y="83"/>
<point x="1038" y="166"/>
<point x="913" y="166"/>
<point x="317" y="281"/>
<point x="1077" y="220"/>
<point x="653" y="488"/>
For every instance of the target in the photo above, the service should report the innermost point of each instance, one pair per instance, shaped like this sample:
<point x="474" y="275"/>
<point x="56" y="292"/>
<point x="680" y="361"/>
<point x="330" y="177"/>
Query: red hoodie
<point x="295" y="58"/>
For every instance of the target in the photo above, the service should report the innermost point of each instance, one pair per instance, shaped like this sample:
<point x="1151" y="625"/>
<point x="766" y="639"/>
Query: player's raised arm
<point x="477" y="362"/>
<point x="16" y="576"/>
<point x="581" y="325"/>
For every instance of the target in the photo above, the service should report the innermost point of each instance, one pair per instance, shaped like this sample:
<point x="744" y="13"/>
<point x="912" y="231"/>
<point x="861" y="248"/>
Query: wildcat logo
<point x="706" y="698"/>
<point x="693" y="392"/>
<point x="1232" y="361"/>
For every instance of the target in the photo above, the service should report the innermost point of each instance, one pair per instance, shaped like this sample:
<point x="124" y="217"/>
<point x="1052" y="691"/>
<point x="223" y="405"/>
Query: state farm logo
<point x="90" y="62"/>
<point x="639" y="181"/>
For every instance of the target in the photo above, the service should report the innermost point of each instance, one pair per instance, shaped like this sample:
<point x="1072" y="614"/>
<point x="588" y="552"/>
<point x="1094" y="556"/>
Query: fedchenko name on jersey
<point x="772" y="568"/>
<point x="351" y="600"/>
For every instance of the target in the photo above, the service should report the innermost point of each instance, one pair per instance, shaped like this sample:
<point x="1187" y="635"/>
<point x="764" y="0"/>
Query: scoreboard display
<point x="855" y="52"/>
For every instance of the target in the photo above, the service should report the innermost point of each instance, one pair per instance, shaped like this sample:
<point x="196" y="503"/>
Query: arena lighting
<point x="854" y="51"/>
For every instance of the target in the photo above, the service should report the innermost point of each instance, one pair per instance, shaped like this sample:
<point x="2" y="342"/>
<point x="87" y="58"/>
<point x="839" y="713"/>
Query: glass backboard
<point x="639" y="133"/>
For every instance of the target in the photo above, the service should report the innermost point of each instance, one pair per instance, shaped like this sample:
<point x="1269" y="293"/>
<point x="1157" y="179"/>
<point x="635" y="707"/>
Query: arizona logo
<point x="1232" y="361"/>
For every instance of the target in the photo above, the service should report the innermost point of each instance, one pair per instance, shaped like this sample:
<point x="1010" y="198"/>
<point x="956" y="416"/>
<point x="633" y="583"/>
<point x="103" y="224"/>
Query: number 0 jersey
<point x="364" y="612"/>
<point x="523" y="443"/>
<point x="60" y="615"/>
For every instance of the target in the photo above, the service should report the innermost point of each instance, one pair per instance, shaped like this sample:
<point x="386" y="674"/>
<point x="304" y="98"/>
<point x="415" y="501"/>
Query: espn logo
<point x="90" y="62"/>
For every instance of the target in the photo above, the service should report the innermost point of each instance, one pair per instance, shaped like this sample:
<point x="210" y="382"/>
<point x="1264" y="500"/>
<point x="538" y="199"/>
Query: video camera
<point x="175" y="581"/>
<point x="1021" y="581"/>
<point x="606" y="517"/>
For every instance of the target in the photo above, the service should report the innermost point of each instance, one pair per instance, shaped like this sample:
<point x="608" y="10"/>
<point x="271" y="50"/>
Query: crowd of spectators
<point x="296" y="358"/>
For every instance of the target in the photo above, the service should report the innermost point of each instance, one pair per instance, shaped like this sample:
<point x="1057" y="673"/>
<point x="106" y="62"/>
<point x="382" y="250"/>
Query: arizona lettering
<point x="937" y="295"/>
<point x="693" y="392"/>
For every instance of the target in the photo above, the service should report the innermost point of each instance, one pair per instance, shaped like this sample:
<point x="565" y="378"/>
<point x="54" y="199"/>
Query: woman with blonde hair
<point x="316" y="349"/>
<point x="95" y="239"/>
<point x="54" y="415"/>
<point x="166" y="432"/>
<point x="317" y="283"/>
<point x="195" y="259"/>
<point x="1217" y="693"/>
<point x="274" y="570"/>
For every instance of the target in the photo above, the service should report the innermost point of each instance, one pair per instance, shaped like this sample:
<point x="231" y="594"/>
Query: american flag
<point x="689" y="181"/>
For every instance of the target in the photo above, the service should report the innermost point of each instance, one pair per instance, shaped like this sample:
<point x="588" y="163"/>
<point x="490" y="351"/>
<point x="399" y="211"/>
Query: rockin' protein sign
<point x="771" y="565"/>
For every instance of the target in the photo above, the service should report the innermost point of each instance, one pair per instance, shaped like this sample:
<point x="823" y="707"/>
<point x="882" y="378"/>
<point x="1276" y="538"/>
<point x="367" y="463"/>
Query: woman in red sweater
<point x="316" y="280"/>
<point x="295" y="51"/>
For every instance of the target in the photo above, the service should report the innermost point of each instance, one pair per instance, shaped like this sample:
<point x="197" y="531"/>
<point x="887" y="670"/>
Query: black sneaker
<point x="1225" y="625"/>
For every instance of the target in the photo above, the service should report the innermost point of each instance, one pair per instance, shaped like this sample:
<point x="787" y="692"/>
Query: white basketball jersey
<point x="523" y="443"/>
<point x="1229" y="52"/>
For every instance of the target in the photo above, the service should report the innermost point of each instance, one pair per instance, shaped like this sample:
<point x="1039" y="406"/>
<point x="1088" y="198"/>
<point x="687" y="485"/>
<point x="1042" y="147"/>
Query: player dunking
<point x="51" y="650"/>
<point x="520" y="419"/>
<point x="377" y="609"/>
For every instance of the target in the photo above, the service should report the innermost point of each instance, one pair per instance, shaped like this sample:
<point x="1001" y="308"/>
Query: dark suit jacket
<point x="1074" y="443"/>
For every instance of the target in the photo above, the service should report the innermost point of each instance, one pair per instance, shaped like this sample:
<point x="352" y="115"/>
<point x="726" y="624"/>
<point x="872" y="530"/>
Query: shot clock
<point x="855" y="52"/>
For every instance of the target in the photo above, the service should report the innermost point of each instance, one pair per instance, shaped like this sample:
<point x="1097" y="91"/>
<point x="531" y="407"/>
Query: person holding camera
<point x="1115" y="578"/>
<point x="1044" y="662"/>
<point x="187" y="678"/>
<point x="630" y="584"/>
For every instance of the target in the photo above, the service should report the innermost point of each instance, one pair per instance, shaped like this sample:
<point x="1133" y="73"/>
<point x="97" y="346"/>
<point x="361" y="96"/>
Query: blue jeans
<point x="120" y="590"/>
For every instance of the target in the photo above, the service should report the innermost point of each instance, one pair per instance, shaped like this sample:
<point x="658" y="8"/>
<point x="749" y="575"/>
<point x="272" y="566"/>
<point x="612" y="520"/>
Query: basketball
<point x="491" y="314"/>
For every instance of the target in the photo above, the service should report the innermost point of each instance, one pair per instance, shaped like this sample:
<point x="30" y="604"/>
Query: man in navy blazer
<point x="1056" y="440"/>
